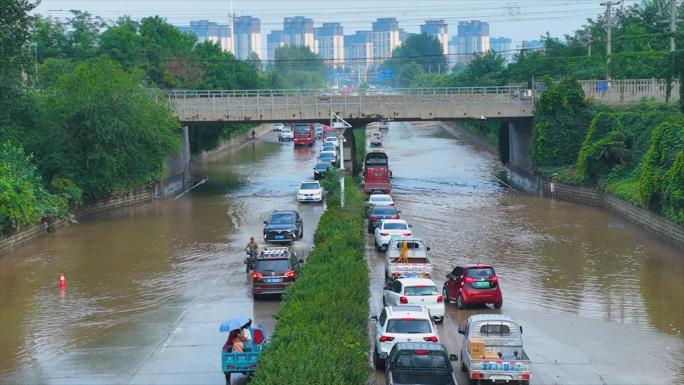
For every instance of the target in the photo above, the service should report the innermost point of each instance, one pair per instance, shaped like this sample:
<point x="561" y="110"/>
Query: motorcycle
<point x="250" y="261"/>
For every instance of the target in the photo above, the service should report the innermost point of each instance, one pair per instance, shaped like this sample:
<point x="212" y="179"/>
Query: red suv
<point x="472" y="285"/>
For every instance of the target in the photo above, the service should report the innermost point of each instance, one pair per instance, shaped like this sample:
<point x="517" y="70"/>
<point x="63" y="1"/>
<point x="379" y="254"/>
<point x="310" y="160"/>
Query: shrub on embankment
<point x="321" y="334"/>
<point x="630" y="152"/>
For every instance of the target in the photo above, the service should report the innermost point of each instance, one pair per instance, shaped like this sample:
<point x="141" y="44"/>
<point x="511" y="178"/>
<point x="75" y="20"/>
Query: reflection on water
<point x="553" y="255"/>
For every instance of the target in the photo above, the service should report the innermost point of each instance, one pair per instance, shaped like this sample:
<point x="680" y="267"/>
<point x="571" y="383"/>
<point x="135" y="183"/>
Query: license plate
<point x="411" y="275"/>
<point x="308" y="198"/>
<point x="273" y="280"/>
<point x="481" y="285"/>
<point x="503" y="366"/>
<point x="500" y="378"/>
<point x="279" y="237"/>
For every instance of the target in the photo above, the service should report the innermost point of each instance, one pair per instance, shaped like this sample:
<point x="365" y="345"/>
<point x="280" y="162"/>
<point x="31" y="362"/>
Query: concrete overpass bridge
<point x="410" y="104"/>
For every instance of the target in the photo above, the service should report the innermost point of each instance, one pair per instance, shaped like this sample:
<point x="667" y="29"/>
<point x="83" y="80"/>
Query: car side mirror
<point x="398" y="211"/>
<point x="265" y="222"/>
<point x="521" y="330"/>
<point x="373" y="318"/>
<point x="300" y="260"/>
<point x="410" y="225"/>
<point x="449" y="276"/>
<point x="461" y="329"/>
<point x="428" y="248"/>
<point x="453" y="357"/>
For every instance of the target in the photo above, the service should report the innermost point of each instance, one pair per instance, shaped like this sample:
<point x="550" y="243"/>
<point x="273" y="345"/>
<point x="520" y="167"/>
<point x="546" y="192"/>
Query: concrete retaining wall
<point x="133" y="197"/>
<point x="234" y="143"/>
<point x="661" y="227"/>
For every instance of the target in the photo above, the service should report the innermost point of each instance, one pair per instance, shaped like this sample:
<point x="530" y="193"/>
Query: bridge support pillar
<point x="519" y="159"/>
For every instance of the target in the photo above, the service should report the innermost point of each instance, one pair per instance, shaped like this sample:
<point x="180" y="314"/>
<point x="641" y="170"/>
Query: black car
<point x="328" y="157"/>
<point x="420" y="363"/>
<point x="283" y="226"/>
<point x="378" y="213"/>
<point x="320" y="169"/>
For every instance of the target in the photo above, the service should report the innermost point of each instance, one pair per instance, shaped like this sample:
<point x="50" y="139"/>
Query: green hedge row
<point x="321" y="334"/>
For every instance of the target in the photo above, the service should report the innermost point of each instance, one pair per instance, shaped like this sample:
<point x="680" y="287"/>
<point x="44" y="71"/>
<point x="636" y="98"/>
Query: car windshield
<point x="404" y="376"/>
<point x="422" y="361"/>
<point x="329" y="134"/>
<point x="282" y="219"/>
<point x="381" y="199"/>
<point x="420" y="290"/>
<point x="286" y="130"/>
<point x="301" y="128"/>
<point x="272" y="265"/>
<point x="309" y="186"/>
<point x="329" y="145"/>
<point x="322" y="166"/>
<point x="394" y="226"/>
<point x="327" y="155"/>
<point x="408" y="326"/>
<point x="331" y="139"/>
<point x="480" y="273"/>
<point x="383" y="210"/>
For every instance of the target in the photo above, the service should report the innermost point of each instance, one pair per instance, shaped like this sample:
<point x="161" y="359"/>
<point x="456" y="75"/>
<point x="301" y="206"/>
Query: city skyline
<point x="504" y="17"/>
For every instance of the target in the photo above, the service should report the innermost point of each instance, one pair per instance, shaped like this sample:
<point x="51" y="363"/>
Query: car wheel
<point x="459" y="302"/>
<point x="384" y="301"/>
<point x="439" y="320"/>
<point x="379" y="363"/>
<point x="472" y="381"/>
<point x="463" y="367"/>
<point x="370" y="229"/>
<point x="445" y="296"/>
<point x="256" y="296"/>
<point x="497" y="305"/>
<point x="227" y="374"/>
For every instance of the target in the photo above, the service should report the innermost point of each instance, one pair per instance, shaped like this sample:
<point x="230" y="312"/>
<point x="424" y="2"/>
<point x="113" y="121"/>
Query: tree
<point x="298" y="67"/>
<point x="83" y="35"/>
<point x="122" y="43"/>
<point x="50" y="37"/>
<point x="222" y="70"/>
<point x="104" y="131"/>
<point x="560" y="125"/>
<point x="162" y="42"/>
<point x="421" y="50"/>
<point x="603" y="147"/>
<point x="484" y="70"/>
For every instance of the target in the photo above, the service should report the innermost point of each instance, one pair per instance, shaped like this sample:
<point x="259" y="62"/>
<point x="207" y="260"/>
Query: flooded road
<point x="148" y="286"/>
<point x="601" y="301"/>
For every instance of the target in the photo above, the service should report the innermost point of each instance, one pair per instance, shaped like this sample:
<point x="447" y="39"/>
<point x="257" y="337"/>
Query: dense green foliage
<point x="206" y="137"/>
<point x="661" y="175"/>
<point x="296" y="67"/>
<point x="419" y="54"/>
<point x="603" y="147"/>
<point x="483" y="70"/>
<point x="560" y="124"/>
<point x="360" y="139"/>
<point x="23" y="198"/>
<point x="321" y="335"/>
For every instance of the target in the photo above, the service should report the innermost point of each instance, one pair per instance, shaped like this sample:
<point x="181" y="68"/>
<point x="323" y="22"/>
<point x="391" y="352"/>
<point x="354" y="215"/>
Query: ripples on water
<point x="551" y="255"/>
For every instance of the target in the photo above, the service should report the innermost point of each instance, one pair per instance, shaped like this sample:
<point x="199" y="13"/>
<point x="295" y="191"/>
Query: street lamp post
<point x="340" y="126"/>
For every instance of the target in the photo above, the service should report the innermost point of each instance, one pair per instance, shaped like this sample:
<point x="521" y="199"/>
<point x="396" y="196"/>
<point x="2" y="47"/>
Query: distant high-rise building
<point x="299" y="32"/>
<point x="247" y="36"/>
<point x="439" y="30"/>
<point x="206" y="30"/>
<point x="503" y="46"/>
<point x="472" y="38"/>
<point x="385" y="38"/>
<point x="358" y="49"/>
<point x="329" y="41"/>
<point x="274" y="40"/>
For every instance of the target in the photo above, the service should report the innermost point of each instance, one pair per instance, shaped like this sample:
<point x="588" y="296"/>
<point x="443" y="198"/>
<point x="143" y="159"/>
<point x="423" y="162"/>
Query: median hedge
<point x="321" y="334"/>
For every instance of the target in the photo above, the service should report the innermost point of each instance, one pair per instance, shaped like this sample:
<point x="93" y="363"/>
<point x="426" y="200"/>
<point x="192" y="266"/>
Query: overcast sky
<point x="519" y="20"/>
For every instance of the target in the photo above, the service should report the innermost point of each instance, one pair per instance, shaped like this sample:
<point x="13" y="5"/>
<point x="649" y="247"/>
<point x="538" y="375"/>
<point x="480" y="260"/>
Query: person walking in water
<point x="253" y="133"/>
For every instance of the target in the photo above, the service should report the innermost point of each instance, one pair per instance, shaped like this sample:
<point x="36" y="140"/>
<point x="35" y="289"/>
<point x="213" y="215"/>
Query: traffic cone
<point x="62" y="280"/>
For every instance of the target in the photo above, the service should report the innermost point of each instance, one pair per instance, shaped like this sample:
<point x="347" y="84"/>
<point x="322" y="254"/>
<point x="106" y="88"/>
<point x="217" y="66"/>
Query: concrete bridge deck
<point x="410" y="104"/>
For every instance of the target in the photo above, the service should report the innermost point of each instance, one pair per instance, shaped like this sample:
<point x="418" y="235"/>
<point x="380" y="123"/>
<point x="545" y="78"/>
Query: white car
<point x="388" y="229"/>
<point x="415" y="291"/>
<point x="310" y="191"/>
<point x="401" y="324"/>
<point x="285" y="134"/>
<point x="333" y="140"/>
<point x="278" y="126"/>
<point x="380" y="200"/>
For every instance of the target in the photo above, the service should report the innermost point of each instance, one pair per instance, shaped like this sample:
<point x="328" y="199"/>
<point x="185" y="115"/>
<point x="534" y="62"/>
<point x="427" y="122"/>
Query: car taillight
<point x="525" y="377"/>
<point x="469" y="280"/>
<point x="494" y="279"/>
<point x="290" y="274"/>
<point x="373" y="218"/>
<point x="384" y="234"/>
<point x="430" y="339"/>
<point x="421" y="352"/>
<point x="440" y="299"/>
<point x="394" y="217"/>
<point x="406" y="234"/>
<point x="256" y="275"/>
<point x="476" y="376"/>
<point x="386" y="338"/>
<point x="403" y="300"/>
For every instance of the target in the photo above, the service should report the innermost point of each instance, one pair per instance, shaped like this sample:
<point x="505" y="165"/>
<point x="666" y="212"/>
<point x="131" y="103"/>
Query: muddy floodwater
<point x="601" y="301"/>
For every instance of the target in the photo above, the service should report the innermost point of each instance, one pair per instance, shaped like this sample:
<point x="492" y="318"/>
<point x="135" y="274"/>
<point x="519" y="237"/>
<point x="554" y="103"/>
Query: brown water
<point x="148" y="285"/>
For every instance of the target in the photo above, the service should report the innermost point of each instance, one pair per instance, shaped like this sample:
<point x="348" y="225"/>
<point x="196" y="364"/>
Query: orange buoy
<point x="62" y="280"/>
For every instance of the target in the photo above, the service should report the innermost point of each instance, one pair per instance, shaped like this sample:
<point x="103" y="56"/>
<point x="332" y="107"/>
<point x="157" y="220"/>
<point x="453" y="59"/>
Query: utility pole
<point x="589" y="47"/>
<point x="673" y="23"/>
<point x="609" y="26"/>
<point x="232" y="29"/>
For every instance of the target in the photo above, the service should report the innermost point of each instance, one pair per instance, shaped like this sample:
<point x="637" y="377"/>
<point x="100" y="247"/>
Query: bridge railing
<point x="195" y="94"/>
